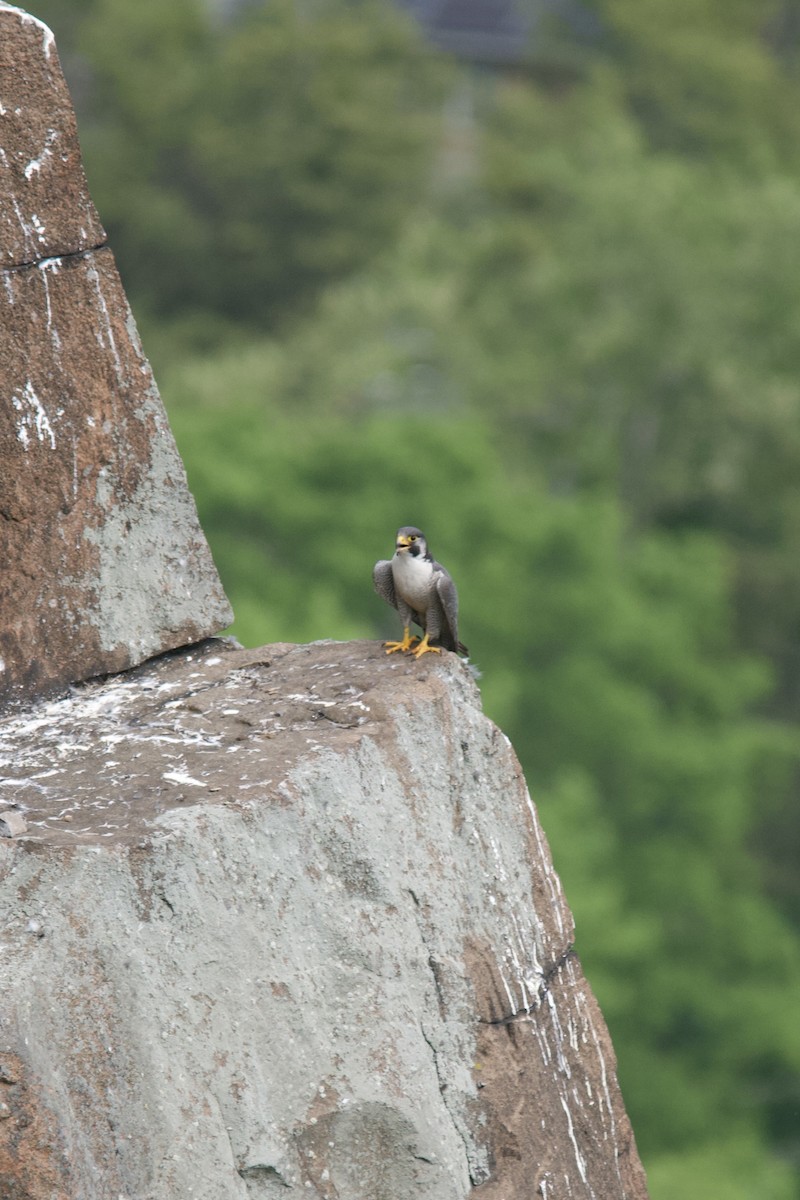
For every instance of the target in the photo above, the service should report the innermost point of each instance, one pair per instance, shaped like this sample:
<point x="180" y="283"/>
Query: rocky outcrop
<point x="285" y="921"/>
<point x="45" y="207"/>
<point x="104" y="562"/>
<point x="273" y="921"/>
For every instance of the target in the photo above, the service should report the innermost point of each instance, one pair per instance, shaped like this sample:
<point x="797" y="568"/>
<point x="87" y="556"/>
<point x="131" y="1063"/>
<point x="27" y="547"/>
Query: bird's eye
<point x="413" y="537"/>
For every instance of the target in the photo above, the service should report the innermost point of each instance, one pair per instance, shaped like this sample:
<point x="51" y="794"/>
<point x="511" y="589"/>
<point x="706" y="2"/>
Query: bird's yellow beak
<point x="403" y="543"/>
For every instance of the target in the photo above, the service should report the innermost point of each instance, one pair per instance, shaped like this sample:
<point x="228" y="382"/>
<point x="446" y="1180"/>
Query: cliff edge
<point x="285" y="920"/>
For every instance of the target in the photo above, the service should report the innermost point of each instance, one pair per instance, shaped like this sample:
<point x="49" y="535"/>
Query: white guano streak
<point x="33" y="417"/>
<point x="50" y="265"/>
<point x="48" y="41"/>
<point x="35" y="165"/>
<point x="94" y="278"/>
<point x="579" y="1159"/>
<point x="554" y="884"/>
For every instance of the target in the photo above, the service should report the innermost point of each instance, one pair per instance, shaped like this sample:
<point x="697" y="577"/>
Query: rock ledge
<point x="286" y="918"/>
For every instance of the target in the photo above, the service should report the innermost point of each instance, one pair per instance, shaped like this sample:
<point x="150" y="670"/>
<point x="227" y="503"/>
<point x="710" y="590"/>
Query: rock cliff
<point x="104" y="562"/>
<point x="274" y="921"/>
<point x="285" y="920"/>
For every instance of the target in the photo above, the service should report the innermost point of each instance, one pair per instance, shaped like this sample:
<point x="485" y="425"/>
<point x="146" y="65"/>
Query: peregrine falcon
<point x="421" y="591"/>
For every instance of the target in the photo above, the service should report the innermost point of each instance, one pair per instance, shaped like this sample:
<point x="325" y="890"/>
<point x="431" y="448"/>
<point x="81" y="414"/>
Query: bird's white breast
<point x="412" y="580"/>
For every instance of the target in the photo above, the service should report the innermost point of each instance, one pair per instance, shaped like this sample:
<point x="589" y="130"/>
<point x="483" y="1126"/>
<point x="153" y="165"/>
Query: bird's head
<point x="411" y="541"/>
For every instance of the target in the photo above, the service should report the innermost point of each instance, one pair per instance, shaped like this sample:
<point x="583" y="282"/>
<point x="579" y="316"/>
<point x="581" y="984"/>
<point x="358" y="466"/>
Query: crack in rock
<point x="526" y="1014"/>
<point x="43" y="259"/>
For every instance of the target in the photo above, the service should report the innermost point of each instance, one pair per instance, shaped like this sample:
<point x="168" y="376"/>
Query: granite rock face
<point x="284" y="921"/>
<point x="104" y="562"/>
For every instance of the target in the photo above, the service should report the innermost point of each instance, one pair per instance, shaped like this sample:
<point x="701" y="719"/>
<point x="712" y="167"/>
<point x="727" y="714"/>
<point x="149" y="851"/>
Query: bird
<point x="423" y="592"/>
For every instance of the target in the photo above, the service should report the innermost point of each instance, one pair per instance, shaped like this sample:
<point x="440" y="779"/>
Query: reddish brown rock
<point x="33" y="1161"/>
<point x="555" y="1121"/>
<point x="104" y="562"/>
<point x="45" y="207"/>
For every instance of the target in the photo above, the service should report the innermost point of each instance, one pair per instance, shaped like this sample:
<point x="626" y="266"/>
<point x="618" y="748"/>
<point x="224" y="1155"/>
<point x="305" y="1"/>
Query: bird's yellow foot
<point x="425" y="648"/>
<point x="406" y="644"/>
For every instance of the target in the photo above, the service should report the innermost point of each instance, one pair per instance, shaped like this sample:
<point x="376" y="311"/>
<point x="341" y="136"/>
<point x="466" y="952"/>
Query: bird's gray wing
<point x="448" y="596"/>
<point x="383" y="579"/>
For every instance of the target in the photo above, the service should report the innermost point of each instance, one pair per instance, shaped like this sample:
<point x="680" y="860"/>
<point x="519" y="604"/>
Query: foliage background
<point x="550" y="313"/>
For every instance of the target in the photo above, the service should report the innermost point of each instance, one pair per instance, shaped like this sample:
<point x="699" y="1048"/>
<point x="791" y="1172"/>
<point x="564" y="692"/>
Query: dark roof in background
<point x="483" y="30"/>
<point x="493" y="31"/>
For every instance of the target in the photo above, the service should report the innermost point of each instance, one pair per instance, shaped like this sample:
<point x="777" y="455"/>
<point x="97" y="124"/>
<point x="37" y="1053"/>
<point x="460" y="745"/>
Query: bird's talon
<point x="425" y="648"/>
<point x="405" y="645"/>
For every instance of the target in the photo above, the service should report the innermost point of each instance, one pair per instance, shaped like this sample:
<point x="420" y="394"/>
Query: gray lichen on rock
<point x="298" y="926"/>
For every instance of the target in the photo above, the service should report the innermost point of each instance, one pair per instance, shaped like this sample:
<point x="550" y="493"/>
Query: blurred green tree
<point x="608" y="659"/>
<point x="241" y="165"/>
<point x="704" y="79"/>
<point x="660" y="298"/>
<point x="577" y="366"/>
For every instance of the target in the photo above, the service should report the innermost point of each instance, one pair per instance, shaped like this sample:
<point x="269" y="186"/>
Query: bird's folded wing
<point x="383" y="580"/>
<point x="449" y="598"/>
